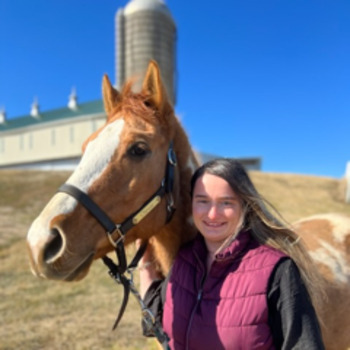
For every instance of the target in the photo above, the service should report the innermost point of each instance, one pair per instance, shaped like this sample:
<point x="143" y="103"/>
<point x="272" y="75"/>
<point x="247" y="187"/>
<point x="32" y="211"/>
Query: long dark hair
<point x="266" y="226"/>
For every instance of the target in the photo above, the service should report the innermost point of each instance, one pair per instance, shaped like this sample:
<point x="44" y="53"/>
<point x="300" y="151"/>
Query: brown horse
<point x="122" y="166"/>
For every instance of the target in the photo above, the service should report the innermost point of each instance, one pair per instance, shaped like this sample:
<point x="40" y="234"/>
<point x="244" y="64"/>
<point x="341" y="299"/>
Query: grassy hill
<point x="37" y="314"/>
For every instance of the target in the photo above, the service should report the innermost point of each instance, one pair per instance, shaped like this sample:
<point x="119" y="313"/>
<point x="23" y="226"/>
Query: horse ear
<point x="153" y="86"/>
<point x="110" y="95"/>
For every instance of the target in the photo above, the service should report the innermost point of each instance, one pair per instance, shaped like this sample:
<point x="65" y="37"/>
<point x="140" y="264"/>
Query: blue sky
<point x="256" y="78"/>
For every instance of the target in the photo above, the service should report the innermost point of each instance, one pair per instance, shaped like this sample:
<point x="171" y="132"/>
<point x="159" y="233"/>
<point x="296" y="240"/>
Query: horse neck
<point x="181" y="229"/>
<point x="187" y="164"/>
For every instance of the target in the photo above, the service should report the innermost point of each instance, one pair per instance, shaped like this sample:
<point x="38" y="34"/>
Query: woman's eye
<point x="228" y="203"/>
<point x="202" y="201"/>
<point x="138" y="150"/>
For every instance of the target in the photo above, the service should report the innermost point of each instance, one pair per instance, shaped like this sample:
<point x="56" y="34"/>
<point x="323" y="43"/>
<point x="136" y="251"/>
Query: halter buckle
<point x="172" y="156"/>
<point x="120" y="238"/>
<point x="148" y="318"/>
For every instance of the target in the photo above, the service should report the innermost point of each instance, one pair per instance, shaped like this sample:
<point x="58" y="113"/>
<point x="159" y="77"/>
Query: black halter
<point x="117" y="271"/>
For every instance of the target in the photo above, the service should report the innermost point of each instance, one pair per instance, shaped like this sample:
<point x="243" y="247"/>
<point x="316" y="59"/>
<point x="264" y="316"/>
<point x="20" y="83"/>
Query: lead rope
<point x="149" y="320"/>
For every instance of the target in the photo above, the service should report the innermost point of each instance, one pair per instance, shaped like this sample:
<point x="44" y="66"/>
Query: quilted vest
<point x="227" y="309"/>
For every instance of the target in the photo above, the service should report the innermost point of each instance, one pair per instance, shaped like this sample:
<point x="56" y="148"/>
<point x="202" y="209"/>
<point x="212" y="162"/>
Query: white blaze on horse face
<point x="98" y="154"/>
<point x="96" y="158"/>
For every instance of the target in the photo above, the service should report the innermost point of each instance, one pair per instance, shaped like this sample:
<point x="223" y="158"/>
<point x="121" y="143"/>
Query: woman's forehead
<point x="213" y="185"/>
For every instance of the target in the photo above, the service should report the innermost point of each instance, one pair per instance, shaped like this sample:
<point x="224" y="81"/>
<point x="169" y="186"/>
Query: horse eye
<point x="138" y="150"/>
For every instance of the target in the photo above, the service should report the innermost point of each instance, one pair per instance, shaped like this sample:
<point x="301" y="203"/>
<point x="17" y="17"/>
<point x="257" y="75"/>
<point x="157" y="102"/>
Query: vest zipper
<point x="199" y="298"/>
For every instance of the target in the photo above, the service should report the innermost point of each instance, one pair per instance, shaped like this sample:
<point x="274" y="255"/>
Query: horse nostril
<point x="53" y="247"/>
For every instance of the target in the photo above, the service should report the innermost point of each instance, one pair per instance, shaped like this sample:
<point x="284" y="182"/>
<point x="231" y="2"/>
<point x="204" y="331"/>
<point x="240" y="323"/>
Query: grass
<point x="39" y="314"/>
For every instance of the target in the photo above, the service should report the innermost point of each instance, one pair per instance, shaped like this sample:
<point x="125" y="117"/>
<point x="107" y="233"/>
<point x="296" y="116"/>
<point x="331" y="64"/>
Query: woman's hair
<point x="265" y="227"/>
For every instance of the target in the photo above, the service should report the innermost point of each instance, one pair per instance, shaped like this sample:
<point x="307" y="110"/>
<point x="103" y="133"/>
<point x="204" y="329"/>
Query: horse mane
<point x="137" y="103"/>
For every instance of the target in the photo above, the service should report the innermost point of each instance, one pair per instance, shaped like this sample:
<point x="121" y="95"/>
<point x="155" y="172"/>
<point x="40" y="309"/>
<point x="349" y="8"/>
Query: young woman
<point x="245" y="281"/>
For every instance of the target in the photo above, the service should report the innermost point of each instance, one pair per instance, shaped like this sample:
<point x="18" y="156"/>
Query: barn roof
<point x="92" y="107"/>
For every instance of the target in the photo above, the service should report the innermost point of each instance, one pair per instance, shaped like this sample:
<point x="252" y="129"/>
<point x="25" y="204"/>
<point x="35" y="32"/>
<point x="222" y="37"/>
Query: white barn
<point x="50" y="140"/>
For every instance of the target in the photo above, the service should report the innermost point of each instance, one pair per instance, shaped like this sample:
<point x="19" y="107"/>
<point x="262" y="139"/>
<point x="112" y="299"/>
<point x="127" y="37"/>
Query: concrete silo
<point x="145" y="30"/>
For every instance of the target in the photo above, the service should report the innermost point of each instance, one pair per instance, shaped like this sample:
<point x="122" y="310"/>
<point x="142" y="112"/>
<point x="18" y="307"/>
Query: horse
<point x="124" y="167"/>
<point x="327" y="237"/>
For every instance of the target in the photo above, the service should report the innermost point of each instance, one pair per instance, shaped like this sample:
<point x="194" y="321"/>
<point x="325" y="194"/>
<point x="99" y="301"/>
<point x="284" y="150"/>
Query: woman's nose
<point x="213" y="211"/>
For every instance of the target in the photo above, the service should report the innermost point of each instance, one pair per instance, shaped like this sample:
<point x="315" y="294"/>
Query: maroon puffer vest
<point x="226" y="310"/>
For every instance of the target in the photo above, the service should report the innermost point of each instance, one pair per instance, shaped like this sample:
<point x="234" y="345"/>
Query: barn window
<point x="30" y="141"/>
<point x="21" y="142"/>
<point x="71" y="134"/>
<point x="53" y="137"/>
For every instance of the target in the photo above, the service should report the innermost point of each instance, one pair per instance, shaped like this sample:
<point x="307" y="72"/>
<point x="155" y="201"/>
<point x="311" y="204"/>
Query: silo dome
<point x="145" y="31"/>
<point x="152" y="5"/>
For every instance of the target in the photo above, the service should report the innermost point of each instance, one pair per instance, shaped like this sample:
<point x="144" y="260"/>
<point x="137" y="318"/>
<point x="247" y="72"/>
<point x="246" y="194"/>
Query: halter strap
<point x="165" y="188"/>
<point x="105" y="220"/>
<point x="90" y="205"/>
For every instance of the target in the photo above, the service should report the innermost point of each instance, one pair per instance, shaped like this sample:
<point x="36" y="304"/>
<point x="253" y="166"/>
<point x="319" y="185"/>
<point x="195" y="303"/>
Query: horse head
<point x="123" y="165"/>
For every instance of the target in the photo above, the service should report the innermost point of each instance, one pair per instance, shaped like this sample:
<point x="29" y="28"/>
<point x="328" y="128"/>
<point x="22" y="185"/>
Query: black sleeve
<point x="154" y="301"/>
<point x="292" y="318"/>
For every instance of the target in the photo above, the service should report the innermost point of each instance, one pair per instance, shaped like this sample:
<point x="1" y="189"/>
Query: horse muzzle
<point x="50" y="257"/>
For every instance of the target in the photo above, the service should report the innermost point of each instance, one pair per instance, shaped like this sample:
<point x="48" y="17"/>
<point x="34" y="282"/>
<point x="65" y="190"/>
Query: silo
<point x="146" y="30"/>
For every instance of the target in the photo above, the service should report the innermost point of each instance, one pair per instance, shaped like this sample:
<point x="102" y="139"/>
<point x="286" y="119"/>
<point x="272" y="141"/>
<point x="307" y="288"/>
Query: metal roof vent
<point x="35" y="109"/>
<point x="2" y="116"/>
<point x="73" y="100"/>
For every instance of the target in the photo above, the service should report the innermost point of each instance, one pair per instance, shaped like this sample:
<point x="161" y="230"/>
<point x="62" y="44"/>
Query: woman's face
<point x="216" y="208"/>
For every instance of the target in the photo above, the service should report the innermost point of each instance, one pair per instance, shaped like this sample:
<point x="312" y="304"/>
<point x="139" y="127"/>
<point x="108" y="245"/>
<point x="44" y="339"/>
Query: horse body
<point x="327" y="237"/>
<point x="123" y="164"/>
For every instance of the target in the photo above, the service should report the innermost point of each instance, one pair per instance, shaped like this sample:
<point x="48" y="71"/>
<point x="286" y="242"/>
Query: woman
<point x="241" y="284"/>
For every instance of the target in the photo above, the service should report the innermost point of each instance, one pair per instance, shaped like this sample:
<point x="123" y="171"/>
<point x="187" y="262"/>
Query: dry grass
<point x="297" y="196"/>
<point x="37" y="314"/>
